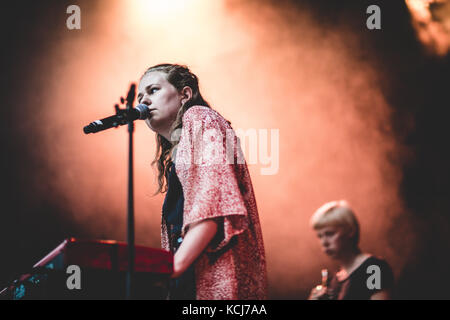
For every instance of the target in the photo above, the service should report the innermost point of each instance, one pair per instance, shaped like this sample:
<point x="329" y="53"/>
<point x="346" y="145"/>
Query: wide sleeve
<point x="206" y="167"/>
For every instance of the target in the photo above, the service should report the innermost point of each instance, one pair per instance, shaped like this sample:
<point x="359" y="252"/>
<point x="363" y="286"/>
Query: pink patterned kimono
<point x="216" y="185"/>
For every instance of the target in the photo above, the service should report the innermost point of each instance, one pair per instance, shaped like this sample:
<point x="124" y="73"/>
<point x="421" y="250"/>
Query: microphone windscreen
<point x="144" y="111"/>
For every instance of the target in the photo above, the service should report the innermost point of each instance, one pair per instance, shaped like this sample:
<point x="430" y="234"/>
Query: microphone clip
<point x="123" y="115"/>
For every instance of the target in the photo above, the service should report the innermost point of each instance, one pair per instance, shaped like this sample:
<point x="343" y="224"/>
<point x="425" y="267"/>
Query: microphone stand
<point x="130" y="217"/>
<point x="121" y="119"/>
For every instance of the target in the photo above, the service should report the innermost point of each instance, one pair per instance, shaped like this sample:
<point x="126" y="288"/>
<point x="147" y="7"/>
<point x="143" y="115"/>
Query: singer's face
<point x="162" y="98"/>
<point x="334" y="241"/>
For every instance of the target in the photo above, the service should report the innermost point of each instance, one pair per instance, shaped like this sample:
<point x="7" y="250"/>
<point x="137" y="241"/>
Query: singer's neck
<point x="348" y="259"/>
<point x="350" y="263"/>
<point x="166" y="134"/>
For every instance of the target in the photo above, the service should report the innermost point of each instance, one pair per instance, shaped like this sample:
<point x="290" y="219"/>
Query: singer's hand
<point x="318" y="293"/>
<point x="196" y="240"/>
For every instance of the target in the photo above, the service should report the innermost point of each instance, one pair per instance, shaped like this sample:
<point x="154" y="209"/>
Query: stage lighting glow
<point x="161" y="13"/>
<point x="160" y="7"/>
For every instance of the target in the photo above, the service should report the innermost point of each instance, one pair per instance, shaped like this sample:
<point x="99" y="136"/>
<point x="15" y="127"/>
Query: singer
<point x="361" y="276"/>
<point x="209" y="216"/>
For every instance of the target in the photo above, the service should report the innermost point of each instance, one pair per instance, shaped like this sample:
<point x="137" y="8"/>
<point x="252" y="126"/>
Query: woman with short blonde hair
<point x="338" y="230"/>
<point x="337" y="213"/>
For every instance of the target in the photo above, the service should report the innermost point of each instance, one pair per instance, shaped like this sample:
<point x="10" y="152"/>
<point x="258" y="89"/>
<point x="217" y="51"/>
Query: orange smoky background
<point x="262" y="65"/>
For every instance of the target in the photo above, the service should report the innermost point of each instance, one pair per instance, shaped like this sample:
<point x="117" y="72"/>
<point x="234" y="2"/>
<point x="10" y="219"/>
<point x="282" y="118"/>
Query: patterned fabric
<point x="216" y="185"/>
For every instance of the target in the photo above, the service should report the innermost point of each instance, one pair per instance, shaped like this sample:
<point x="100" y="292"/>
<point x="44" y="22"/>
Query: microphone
<point x="142" y="112"/>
